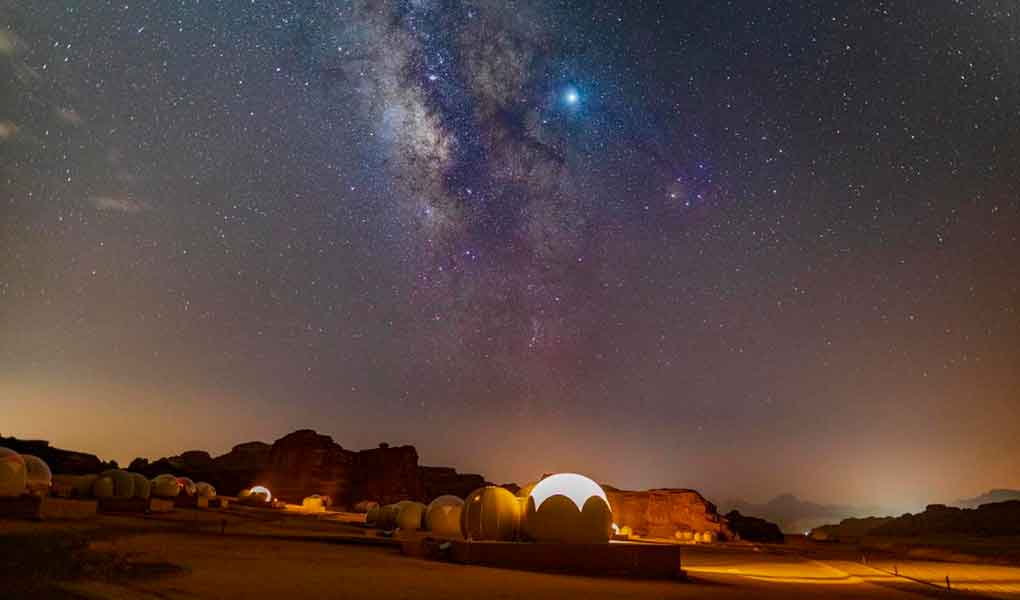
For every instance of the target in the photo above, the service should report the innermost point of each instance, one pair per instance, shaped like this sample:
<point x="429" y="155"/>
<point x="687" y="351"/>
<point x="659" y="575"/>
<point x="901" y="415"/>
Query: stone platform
<point x="46" y="508"/>
<point x="626" y="559"/>
<point x="217" y="502"/>
<point x="160" y="505"/>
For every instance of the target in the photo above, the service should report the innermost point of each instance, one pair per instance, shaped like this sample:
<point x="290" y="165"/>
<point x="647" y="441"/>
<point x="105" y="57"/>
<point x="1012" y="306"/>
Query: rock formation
<point x="753" y="529"/>
<point x="663" y="513"/>
<point x="59" y="460"/>
<point x="794" y="515"/>
<point x="387" y="474"/>
<point x="438" y="481"/>
<point x="989" y="497"/>
<point x="304" y="463"/>
<point x="987" y="520"/>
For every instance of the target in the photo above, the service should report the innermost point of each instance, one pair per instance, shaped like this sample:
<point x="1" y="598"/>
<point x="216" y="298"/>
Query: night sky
<point x="749" y="247"/>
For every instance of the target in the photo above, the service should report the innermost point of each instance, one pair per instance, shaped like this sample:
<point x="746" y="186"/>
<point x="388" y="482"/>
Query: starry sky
<point x="749" y="247"/>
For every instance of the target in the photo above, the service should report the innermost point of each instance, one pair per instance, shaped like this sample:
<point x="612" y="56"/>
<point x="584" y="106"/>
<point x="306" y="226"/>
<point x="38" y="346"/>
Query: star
<point x="571" y="96"/>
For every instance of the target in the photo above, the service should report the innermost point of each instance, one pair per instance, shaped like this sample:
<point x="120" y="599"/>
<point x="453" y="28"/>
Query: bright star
<point x="571" y="96"/>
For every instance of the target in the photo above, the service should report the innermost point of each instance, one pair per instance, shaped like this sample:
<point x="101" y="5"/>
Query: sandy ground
<point x="185" y="555"/>
<point x="992" y="580"/>
<point x="232" y="568"/>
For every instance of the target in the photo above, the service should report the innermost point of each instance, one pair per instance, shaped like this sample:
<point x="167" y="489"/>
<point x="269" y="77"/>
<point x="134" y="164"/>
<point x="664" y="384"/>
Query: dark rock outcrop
<point x="995" y="519"/>
<point x="64" y="462"/>
<point x="305" y="463"/>
<point x="987" y="520"/>
<point x="794" y="515"/>
<point x="387" y="474"/>
<point x="989" y="497"/>
<point x="438" y="481"/>
<point x="753" y="529"/>
<point x="848" y="530"/>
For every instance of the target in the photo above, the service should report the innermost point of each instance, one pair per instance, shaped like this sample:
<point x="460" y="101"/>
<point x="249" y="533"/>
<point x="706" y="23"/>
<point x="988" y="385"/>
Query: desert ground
<point x="256" y="554"/>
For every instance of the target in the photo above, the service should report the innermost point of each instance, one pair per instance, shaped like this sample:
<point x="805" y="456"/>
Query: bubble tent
<point x="261" y="489"/>
<point x="442" y="517"/>
<point x="38" y="477"/>
<point x="490" y="513"/>
<point x="577" y="488"/>
<point x="568" y="508"/>
<point x="13" y="473"/>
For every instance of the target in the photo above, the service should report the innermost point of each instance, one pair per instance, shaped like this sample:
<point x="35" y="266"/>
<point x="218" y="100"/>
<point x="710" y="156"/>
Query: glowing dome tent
<point x="568" y="508"/>
<point x="13" y="473"/>
<point x="442" y="517"/>
<point x="38" y="477"/>
<point x="165" y="486"/>
<point x="260" y="493"/>
<point x="315" y="503"/>
<point x="490" y="513"/>
<point x="410" y="516"/>
<point x="187" y="486"/>
<point x="123" y="482"/>
<point x="205" y="490"/>
<point x="143" y="487"/>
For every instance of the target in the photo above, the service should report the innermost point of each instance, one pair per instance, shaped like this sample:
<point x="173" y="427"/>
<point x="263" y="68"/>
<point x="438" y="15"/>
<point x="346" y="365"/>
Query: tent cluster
<point x="24" y="473"/>
<point x="565" y="508"/>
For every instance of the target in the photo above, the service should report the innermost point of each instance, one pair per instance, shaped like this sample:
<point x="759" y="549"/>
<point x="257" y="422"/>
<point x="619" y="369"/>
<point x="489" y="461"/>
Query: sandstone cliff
<point x="304" y="462"/>
<point x="663" y="513"/>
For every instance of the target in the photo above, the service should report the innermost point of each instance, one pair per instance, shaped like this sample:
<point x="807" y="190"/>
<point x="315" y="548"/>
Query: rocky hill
<point x="988" y="520"/>
<point x="1000" y="495"/>
<point x="753" y="529"/>
<point x="794" y="515"/>
<point x="59" y="460"/>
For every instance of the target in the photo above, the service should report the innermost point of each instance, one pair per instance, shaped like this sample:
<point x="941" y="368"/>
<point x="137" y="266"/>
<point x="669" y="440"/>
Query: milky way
<point x="749" y="247"/>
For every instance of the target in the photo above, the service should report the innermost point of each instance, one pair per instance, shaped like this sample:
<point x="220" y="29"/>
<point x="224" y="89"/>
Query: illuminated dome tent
<point x="165" y="486"/>
<point x="187" y="485"/>
<point x="442" y="517"/>
<point x="13" y="473"/>
<point x="490" y="513"/>
<point x="38" y="477"/>
<point x="568" y="508"/>
<point x="410" y="515"/>
<point x="205" y="490"/>
<point x="261" y="493"/>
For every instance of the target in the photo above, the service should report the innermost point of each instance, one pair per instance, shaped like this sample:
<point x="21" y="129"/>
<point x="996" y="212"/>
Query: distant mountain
<point x="1000" y="495"/>
<point x="991" y="519"/>
<point x="794" y="515"/>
